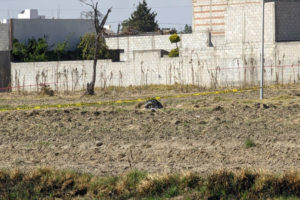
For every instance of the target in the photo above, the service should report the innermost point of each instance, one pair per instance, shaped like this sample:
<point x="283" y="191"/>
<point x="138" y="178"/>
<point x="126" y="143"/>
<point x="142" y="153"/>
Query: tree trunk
<point x="91" y="85"/>
<point x="99" y="35"/>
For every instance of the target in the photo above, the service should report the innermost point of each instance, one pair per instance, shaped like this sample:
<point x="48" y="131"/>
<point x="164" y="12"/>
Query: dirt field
<point x="201" y="134"/>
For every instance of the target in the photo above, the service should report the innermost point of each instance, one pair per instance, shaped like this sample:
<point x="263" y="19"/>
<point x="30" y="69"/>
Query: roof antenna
<point x="58" y="11"/>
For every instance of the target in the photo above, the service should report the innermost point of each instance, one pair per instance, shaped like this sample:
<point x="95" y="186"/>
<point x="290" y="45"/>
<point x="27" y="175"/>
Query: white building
<point x="30" y="14"/>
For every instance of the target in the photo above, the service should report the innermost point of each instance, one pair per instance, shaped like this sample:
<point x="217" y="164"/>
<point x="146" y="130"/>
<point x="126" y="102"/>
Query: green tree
<point x="141" y="20"/>
<point x="174" y="39"/>
<point x="19" y="51"/>
<point x="174" y="53"/>
<point x="36" y="50"/>
<point x="87" y="47"/>
<point x="61" y="50"/>
<point x="187" y="29"/>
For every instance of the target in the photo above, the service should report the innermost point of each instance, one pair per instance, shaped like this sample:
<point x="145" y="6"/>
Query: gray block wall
<point x="287" y="21"/>
<point x="5" y="71"/>
<point x="4" y="37"/>
<point x="55" y="30"/>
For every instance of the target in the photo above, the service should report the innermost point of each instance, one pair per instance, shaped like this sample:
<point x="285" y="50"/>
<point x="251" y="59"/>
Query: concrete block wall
<point x="232" y="60"/>
<point x="288" y="21"/>
<point x="212" y="67"/>
<point x="236" y="20"/>
<point x="4" y="37"/>
<point x="209" y="15"/>
<point x="55" y="30"/>
<point x="243" y="22"/>
<point x="4" y="71"/>
<point x="135" y="43"/>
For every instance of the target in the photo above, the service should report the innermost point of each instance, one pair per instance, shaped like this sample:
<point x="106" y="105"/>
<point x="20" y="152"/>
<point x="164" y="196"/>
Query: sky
<point x="170" y="13"/>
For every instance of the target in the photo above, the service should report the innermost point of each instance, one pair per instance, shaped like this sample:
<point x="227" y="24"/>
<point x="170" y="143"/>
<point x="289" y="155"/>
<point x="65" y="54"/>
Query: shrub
<point x="46" y="90"/>
<point x="249" y="143"/>
<point x="87" y="46"/>
<point x="174" y="38"/>
<point x="174" y="53"/>
<point x="34" y="50"/>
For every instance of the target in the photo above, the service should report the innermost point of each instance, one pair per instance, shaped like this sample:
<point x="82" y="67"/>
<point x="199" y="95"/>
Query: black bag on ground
<point x="153" y="104"/>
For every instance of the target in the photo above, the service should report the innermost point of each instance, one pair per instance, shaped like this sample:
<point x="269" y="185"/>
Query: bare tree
<point x="99" y="22"/>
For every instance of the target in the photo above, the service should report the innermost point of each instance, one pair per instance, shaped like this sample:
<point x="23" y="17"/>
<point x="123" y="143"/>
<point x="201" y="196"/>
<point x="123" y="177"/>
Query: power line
<point x="163" y="23"/>
<point x="117" y="8"/>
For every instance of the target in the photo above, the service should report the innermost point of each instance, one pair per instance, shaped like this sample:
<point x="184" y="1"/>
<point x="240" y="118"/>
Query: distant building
<point x="30" y="14"/>
<point x="3" y="21"/>
<point x="30" y="24"/>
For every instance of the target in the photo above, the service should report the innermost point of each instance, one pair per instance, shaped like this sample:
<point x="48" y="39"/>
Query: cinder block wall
<point x="140" y="43"/>
<point x="233" y="59"/>
<point x="55" y="30"/>
<point x="213" y="68"/>
<point x="209" y="15"/>
<point x="4" y="37"/>
<point x="288" y="21"/>
<point x="236" y="20"/>
<point x="243" y="22"/>
<point x="5" y="71"/>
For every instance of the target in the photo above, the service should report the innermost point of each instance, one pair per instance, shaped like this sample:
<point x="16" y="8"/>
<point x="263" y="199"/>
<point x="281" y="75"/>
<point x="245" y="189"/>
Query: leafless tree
<point x="99" y="22"/>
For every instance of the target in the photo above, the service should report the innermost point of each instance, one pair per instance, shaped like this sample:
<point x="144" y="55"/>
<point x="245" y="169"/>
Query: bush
<point x="49" y="184"/>
<point x="87" y="46"/>
<point x="249" y="143"/>
<point x="174" y="38"/>
<point x="38" y="50"/>
<point x="174" y="53"/>
<point x="46" y="90"/>
<point x="34" y="50"/>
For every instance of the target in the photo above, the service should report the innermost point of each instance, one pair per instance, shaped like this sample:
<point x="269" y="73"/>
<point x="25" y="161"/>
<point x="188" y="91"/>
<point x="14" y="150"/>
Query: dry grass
<point x="51" y="184"/>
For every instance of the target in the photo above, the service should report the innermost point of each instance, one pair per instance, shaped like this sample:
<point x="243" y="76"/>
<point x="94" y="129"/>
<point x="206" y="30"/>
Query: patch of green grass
<point x="44" y="143"/>
<point x="283" y="97"/>
<point x="287" y="198"/>
<point x="51" y="184"/>
<point x="4" y="107"/>
<point x="118" y="110"/>
<point x="186" y="124"/>
<point x="219" y="99"/>
<point x="248" y="101"/>
<point x="249" y="143"/>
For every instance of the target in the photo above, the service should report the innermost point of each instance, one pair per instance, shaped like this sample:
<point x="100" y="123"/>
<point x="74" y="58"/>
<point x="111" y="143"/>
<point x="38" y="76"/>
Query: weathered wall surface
<point x="217" y="24"/>
<point x="213" y="67"/>
<point x="287" y="21"/>
<point x="156" y="42"/>
<point x="224" y="51"/>
<point x="4" y="71"/>
<point x="4" y="37"/>
<point x="56" y="30"/>
<point x="243" y="22"/>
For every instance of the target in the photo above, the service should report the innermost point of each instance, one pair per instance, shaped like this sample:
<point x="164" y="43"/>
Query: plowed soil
<point x="201" y="134"/>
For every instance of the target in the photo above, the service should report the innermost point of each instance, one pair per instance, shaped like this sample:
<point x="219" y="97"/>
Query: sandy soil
<point x="200" y="134"/>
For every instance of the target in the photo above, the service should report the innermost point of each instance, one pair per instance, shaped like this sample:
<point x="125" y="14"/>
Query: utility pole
<point x="262" y="51"/>
<point x="8" y="14"/>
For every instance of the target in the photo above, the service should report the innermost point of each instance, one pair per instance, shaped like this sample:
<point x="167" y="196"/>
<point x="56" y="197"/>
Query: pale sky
<point x="170" y="13"/>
